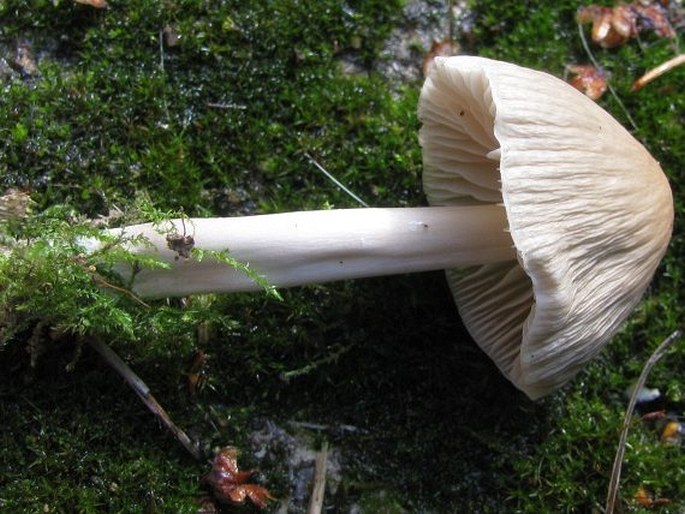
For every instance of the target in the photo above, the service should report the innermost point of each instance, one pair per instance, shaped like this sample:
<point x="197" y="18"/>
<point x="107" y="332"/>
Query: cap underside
<point x="590" y="213"/>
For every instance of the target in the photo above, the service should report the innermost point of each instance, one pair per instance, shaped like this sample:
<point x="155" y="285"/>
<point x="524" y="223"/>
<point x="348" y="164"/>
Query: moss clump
<point x="216" y="119"/>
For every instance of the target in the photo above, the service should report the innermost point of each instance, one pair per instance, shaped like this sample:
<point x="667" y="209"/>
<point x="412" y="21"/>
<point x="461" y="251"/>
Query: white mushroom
<point x="589" y="210"/>
<point x="513" y="158"/>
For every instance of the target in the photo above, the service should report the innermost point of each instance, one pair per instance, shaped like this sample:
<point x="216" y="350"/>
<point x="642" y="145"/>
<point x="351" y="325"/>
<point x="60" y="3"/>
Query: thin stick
<point x="335" y="180"/>
<point x="219" y="105"/>
<point x="312" y="366"/>
<point x="319" y="487"/>
<point x="143" y="391"/>
<point x="658" y="71"/>
<point x="101" y="281"/>
<point x="612" y="493"/>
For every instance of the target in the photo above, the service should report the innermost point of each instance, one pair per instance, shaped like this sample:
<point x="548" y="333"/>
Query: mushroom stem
<point x="298" y="248"/>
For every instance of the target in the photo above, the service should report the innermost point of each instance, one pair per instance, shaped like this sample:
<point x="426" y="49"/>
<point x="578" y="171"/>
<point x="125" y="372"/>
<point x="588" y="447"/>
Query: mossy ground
<point x="219" y="122"/>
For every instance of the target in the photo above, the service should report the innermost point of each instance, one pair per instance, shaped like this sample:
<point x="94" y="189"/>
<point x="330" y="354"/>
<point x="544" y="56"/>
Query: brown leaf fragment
<point x="608" y="31"/>
<point x="654" y="17"/>
<point x="444" y="48"/>
<point x="613" y="26"/>
<point x="228" y="482"/>
<point x="590" y="80"/>
<point x="673" y="432"/>
<point x="655" y="415"/>
<point x="624" y="21"/>
<point x="646" y="499"/>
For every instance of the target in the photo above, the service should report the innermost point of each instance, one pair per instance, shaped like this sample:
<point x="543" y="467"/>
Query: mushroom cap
<point x="589" y="210"/>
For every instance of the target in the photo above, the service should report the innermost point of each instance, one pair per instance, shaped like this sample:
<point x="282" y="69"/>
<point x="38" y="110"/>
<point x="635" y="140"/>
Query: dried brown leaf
<point x="613" y="26"/>
<point x="588" y="79"/>
<point x="444" y="48"/>
<point x="228" y="482"/>
<point x="646" y="499"/>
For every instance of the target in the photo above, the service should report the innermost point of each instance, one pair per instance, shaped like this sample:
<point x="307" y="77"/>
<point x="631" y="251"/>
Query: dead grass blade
<point x="612" y="493"/>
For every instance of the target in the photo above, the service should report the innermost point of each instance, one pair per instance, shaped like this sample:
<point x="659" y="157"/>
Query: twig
<point x="328" y="359"/>
<point x="143" y="391"/>
<point x="335" y="180"/>
<point x="218" y="105"/>
<point x="318" y="427"/>
<point x="101" y="281"/>
<point x="658" y="71"/>
<point x="319" y="486"/>
<point x="612" y="493"/>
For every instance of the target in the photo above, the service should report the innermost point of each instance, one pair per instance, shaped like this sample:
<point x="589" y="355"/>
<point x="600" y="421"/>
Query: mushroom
<point x="589" y="210"/>
<point x="549" y="217"/>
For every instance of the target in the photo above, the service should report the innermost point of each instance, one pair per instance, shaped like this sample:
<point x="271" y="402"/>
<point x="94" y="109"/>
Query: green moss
<point x="59" y="460"/>
<point x="539" y="35"/>
<point x="207" y="113"/>
<point x="218" y="122"/>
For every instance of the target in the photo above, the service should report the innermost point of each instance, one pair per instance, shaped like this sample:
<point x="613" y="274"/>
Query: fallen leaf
<point x="672" y="432"/>
<point x="613" y="26"/>
<point x="656" y="415"/>
<point x="444" y="48"/>
<point x="654" y="17"/>
<point x="644" y="498"/>
<point x="609" y="28"/>
<point x="588" y="79"/>
<point x="228" y="482"/>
